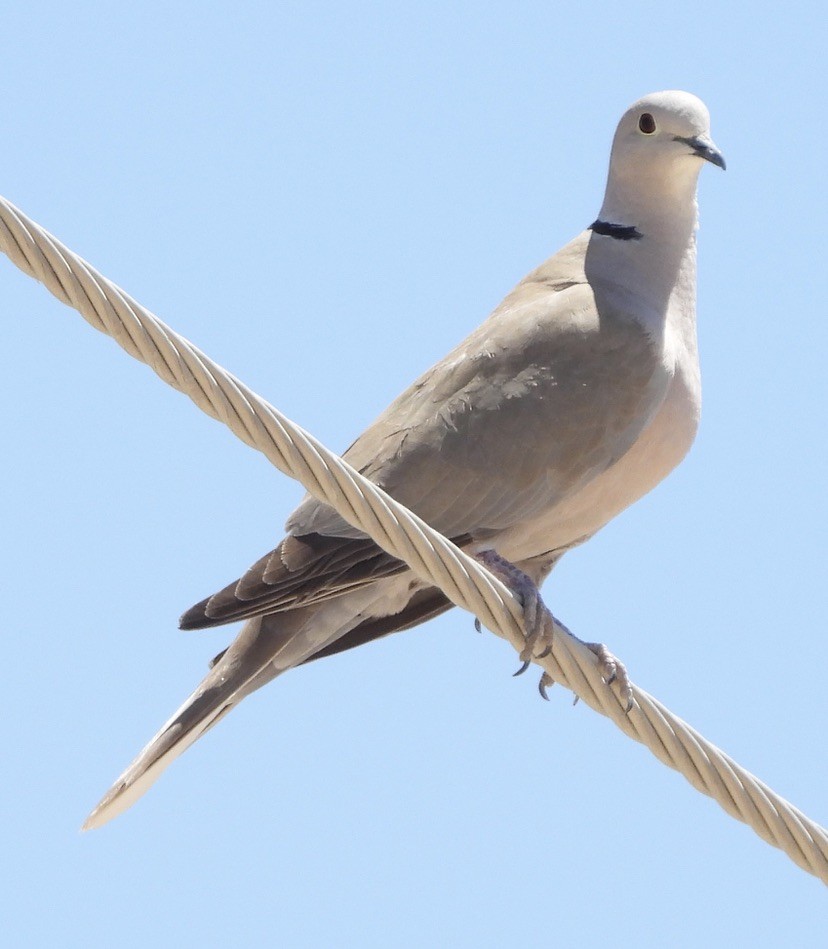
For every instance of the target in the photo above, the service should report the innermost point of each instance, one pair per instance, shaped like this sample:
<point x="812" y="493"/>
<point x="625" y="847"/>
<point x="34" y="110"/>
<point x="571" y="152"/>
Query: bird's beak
<point x="704" y="147"/>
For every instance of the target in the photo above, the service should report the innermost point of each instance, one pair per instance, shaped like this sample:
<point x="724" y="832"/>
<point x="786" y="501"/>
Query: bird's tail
<point x="266" y="646"/>
<point x="243" y="667"/>
<point x="201" y="711"/>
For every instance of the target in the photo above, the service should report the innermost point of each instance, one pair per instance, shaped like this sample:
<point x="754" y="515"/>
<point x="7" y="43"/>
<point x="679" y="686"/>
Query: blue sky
<point x="326" y="198"/>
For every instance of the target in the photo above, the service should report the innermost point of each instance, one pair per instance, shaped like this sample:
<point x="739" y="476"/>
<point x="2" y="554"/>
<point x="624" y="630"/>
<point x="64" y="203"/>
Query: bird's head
<point x="659" y="147"/>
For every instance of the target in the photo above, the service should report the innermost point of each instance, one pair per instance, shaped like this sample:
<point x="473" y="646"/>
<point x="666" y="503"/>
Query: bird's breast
<point x="660" y="447"/>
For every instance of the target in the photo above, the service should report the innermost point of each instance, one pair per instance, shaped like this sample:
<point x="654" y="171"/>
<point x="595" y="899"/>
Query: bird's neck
<point x="659" y="206"/>
<point x="648" y="254"/>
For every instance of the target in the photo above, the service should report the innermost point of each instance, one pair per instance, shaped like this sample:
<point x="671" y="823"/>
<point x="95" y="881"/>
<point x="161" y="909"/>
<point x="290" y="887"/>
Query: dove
<point x="576" y="396"/>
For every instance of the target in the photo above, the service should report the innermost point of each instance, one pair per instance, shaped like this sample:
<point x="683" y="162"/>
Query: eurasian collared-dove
<point x="576" y="396"/>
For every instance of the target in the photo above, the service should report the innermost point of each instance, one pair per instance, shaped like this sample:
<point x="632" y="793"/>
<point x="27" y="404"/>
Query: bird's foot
<point x="612" y="670"/>
<point x="538" y="622"/>
<point x="610" y="666"/>
<point x="539" y="625"/>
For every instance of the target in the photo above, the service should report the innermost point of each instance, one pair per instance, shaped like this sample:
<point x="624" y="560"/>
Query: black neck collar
<point x="620" y="232"/>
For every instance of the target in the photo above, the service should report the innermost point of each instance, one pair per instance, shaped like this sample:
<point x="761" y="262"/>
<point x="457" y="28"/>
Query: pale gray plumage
<point x="577" y="395"/>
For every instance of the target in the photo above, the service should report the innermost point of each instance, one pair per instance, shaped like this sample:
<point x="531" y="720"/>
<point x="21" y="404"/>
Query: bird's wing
<point x="546" y="394"/>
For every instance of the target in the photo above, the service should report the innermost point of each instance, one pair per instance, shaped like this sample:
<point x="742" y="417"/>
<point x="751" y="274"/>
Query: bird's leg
<point x="539" y="624"/>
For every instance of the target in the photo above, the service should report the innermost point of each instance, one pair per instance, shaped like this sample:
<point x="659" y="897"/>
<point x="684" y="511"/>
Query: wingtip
<point x="195" y="617"/>
<point x="201" y="616"/>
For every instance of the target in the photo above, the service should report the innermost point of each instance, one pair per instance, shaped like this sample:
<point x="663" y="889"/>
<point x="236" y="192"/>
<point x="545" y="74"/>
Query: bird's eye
<point x="647" y="123"/>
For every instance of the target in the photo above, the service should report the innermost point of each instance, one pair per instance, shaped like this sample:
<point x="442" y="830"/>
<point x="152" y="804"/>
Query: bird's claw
<point x="613" y="671"/>
<point x="546" y="681"/>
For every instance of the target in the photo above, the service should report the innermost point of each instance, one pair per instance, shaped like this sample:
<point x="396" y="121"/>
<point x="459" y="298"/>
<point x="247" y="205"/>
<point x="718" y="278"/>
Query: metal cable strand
<point x="402" y="534"/>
